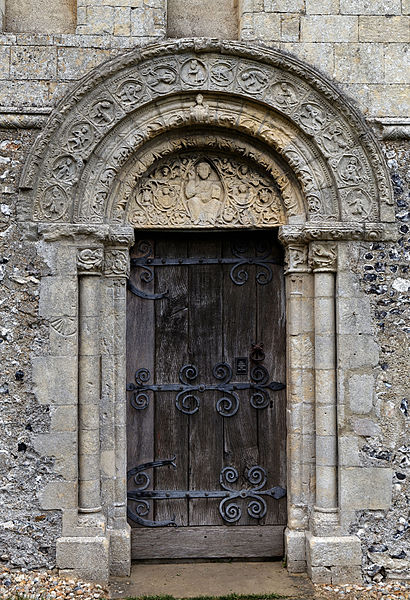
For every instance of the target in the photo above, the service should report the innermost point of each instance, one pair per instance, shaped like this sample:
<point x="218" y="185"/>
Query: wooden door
<point x="206" y="398"/>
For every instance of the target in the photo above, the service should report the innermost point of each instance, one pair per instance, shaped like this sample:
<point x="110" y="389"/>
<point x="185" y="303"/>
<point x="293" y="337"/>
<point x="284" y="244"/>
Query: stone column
<point x="323" y="263"/>
<point x="299" y="313"/>
<point x="116" y="273"/>
<point x="331" y="556"/>
<point x="89" y="262"/>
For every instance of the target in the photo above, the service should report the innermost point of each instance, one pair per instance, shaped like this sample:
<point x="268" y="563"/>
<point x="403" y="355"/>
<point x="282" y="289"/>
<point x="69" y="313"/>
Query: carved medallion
<point x="130" y="92"/>
<point x="350" y="169"/>
<point x="312" y="116"/>
<point x="65" y="169"/>
<point x="80" y="137"/>
<point x="54" y="203"/>
<point x="160" y="78"/>
<point x="102" y="112"/>
<point x="194" y="72"/>
<point x="205" y="190"/>
<point x="222" y="73"/>
<point x="253" y="81"/>
<point x="285" y="94"/>
<point x="334" y="139"/>
<point x="357" y="205"/>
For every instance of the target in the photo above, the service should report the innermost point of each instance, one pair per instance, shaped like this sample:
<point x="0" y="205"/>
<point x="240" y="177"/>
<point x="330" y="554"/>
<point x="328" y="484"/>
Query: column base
<point x="120" y="552"/>
<point x="325" y="522"/>
<point x="84" y="557"/>
<point x="295" y="551"/>
<point x="334" y="560"/>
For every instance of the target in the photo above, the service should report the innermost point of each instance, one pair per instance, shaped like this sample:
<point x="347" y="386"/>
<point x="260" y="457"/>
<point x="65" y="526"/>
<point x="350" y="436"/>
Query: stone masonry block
<point x="406" y="7"/>
<point x="354" y="316"/>
<point x="397" y="62"/>
<point x="322" y="7"/>
<point x="333" y="551"/>
<point x="349" y="451"/>
<point x="87" y="557"/>
<point x="329" y="28"/>
<point x="122" y="21"/>
<point x="361" y="392"/>
<point x="55" y="379"/>
<point x="33" y="62"/>
<point x="286" y="6"/>
<point x="359" y="63"/>
<point x="381" y="100"/>
<point x="59" y="494"/>
<point x="355" y="351"/>
<point x="4" y="62"/>
<point x="58" y="296"/>
<point x="320" y="574"/>
<point x="319" y="55"/>
<point x="383" y="29"/>
<point x="365" y="427"/>
<point x="370" y="7"/>
<point x="267" y="26"/>
<point x="290" y="28"/>
<point x="72" y="63"/>
<point x="365" y="488"/>
<point x="295" y="545"/>
<point x="347" y="575"/>
<point x="100" y="19"/>
<point x="120" y="552"/>
<point x="55" y="444"/>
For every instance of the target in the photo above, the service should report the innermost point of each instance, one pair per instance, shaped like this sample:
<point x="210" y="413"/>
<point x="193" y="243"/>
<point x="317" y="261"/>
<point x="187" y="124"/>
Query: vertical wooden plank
<point x="140" y="354"/>
<point x="205" y="343"/>
<point x="239" y="332"/>
<point x="272" y="420"/>
<point x="171" y="353"/>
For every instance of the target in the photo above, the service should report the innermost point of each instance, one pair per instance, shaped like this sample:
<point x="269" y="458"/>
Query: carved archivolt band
<point x="111" y="120"/>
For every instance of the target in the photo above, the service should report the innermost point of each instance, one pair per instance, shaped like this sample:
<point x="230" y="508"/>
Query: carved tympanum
<point x="195" y="189"/>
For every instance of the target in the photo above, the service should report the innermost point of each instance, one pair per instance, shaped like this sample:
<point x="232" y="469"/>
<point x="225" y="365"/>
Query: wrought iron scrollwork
<point x="239" y="274"/>
<point x="188" y="390"/>
<point x="231" y="499"/>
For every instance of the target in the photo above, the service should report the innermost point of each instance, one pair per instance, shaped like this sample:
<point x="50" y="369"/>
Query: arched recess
<point x="91" y="177"/>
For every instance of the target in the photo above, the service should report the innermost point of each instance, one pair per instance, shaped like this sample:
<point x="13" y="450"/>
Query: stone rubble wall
<point x="359" y="43"/>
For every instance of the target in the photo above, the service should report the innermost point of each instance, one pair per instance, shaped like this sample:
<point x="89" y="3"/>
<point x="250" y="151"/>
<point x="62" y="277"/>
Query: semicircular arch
<point x="256" y="103"/>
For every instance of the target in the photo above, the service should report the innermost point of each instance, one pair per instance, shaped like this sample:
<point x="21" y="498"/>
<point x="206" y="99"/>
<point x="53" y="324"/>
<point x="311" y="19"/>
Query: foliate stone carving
<point x="90" y="260"/>
<point x="116" y="262"/>
<point x="197" y="189"/>
<point x="323" y="257"/>
<point x="296" y="258"/>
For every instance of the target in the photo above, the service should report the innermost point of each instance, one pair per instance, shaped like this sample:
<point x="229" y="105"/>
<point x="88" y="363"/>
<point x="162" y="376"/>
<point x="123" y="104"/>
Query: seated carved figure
<point x="204" y="194"/>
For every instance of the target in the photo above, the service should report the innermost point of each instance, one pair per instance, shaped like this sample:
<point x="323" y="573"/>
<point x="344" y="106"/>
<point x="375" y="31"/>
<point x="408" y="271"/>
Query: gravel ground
<point x="46" y="585"/>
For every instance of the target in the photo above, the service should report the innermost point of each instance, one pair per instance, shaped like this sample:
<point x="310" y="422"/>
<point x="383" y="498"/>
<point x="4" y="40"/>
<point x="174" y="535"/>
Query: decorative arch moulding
<point x="209" y="134"/>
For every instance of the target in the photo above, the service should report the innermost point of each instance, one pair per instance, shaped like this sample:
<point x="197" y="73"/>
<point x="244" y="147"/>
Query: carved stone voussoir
<point x="90" y="260"/>
<point x="116" y="263"/>
<point x="323" y="257"/>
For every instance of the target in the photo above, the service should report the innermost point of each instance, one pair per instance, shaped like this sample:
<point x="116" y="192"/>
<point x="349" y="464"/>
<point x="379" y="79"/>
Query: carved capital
<point x="116" y="262"/>
<point x="323" y="257"/>
<point x="90" y="260"/>
<point x="296" y="258"/>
